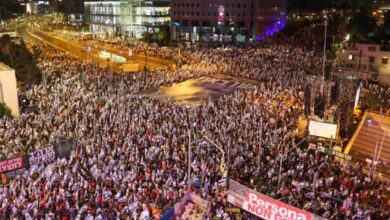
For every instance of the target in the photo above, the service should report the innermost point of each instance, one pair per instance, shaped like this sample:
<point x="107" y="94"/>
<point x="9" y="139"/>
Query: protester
<point x="132" y="151"/>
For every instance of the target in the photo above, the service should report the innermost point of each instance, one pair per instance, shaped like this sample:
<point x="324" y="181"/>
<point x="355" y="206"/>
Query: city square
<point x="192" y="109"/>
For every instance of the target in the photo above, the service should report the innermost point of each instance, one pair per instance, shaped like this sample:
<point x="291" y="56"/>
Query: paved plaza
<point x="194" y="91"/>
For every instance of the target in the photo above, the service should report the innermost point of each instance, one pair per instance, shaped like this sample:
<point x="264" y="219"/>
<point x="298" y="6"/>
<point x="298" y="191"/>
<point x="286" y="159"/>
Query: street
<point x="194" y="92"/>
<point x="77" y="48"/>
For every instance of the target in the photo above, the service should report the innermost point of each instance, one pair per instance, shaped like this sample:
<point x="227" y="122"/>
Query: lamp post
<point x="190" y="153"/>
<point x="261" y="139"/>
<point x="189" y="160"/>
<point x="285" y="154"/>
<point x="223" y="156"/>
<point x="324" y="55"/>
<point x="146" y="50"/>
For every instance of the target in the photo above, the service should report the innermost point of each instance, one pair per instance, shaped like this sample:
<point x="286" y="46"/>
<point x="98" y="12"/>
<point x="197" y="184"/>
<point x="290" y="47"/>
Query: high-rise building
<point x="37" y="7"/>
<point x="127" y="17"/>
<point x="226" y="20"/>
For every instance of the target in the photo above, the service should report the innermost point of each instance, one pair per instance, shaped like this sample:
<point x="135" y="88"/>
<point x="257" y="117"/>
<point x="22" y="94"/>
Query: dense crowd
<point x="382" y="94"/>
<point x="131" y="152"/>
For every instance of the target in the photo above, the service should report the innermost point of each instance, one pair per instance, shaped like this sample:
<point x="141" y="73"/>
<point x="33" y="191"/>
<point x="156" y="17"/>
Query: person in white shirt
<point x="145" y="213"/>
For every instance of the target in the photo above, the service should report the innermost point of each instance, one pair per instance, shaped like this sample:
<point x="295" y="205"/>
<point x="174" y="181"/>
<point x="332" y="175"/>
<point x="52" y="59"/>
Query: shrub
<point x="5" y="111"/>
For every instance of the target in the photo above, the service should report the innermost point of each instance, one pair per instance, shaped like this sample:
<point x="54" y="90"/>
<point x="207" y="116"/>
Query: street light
<point x="189" y="160"/>
<point x="261" y="139"/>
<point x="285" y="154"/>
<point x="324" y="55"/>
<point x="223" y="156"/>
<point x="189" y="155"/>
<point x="213" y="144"/>
<point x="378" y="148"/>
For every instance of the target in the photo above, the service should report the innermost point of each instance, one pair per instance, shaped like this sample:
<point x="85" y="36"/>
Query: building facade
<point x="73" y="11"/>
<point x="226" y="20"/>
<point x="37" y="7"/>
<point x="367" y="57"/>
<point x="127" y="17"/>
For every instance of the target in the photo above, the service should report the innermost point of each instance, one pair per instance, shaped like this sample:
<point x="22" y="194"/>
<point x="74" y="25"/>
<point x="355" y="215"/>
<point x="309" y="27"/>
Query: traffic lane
<point x="74" y="49"/>
<point x="95" y="49"/>
<point x="66" y="46"/>
<point x="27" y="37"/>
<point x="159" y="62"/>
<point x="152" y="62"/>
<point x="94" y="54"/>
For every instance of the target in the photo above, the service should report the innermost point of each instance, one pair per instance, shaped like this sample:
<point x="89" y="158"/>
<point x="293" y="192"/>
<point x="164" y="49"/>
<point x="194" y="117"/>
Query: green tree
<point x="16" y="55"/>
<point x="5" y="111"/>
<point x="383" y="32"/>
<point x="147" y="37"/>
<point x="6" y="38"/>
<point x="160" y="37"/>
<point x="362" y="24"/>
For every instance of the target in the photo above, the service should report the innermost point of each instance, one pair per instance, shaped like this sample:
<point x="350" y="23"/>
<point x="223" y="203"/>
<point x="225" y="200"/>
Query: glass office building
<point x="226" y="20"/>
<point x="127" y="17"/>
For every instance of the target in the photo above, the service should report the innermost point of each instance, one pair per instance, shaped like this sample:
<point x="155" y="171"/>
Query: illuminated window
<point x="350" y="57"/>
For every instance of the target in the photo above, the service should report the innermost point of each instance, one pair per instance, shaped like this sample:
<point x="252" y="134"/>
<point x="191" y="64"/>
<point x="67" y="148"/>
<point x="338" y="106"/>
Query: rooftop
<point x="4" y="67"/>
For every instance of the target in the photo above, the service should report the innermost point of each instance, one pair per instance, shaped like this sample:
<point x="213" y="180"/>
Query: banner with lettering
<point x="45" y="155"/>
<point x="264" y="206"/>
<point x="11" y="164"/>
<point x="18" y="165"/>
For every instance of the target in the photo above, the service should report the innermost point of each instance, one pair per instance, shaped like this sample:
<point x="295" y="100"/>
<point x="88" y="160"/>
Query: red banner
<point x="12" y="164"/>
<point x="263" y="206"/>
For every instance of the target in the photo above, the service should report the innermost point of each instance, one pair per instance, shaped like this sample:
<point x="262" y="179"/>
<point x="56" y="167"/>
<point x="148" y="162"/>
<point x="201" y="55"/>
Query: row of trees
<point x="362" y="25"/>
<point x="323" y="4"/>
<point x="8" y="8"/>
<point x="16" y="55"/>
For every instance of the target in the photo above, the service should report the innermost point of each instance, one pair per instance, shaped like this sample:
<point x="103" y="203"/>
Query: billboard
<point x="322" y="129"/>
<point x="263" y="206"/>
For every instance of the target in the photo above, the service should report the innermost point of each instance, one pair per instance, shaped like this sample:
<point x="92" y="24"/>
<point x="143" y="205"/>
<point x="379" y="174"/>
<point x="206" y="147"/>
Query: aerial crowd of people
<point x="131" y="151"/>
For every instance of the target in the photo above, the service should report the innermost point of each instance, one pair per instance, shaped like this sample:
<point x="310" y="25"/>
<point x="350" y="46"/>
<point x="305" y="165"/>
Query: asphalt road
<point x="76" y="48"/>
<point x="194" y="92"/>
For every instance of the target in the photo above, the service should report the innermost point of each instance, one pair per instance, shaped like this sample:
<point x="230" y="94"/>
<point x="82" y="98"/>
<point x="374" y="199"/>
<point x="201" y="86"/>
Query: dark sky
<point x="8" y="7"/>
<point x="320" y="4"/>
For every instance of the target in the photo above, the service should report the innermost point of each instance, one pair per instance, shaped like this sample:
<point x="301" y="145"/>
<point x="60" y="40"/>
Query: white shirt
<point x="144" y="214"/>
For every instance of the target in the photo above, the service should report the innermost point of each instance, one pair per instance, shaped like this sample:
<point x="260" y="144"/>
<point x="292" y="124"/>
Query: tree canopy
<point x="5" y="112"/>
<point x="361" y="24"/>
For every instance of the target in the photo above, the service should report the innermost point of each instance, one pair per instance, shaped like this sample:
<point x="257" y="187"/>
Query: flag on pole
<point x="44" y="199"/>
<point x="3" y="178"/>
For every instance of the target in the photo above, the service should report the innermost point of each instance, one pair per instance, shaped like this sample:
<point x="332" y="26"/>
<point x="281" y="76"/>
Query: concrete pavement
<point x="193" y="92"/>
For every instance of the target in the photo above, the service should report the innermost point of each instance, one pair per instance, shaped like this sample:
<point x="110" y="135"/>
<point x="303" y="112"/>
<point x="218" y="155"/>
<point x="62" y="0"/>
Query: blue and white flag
<point x="122" y="199"/>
